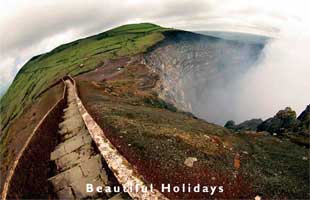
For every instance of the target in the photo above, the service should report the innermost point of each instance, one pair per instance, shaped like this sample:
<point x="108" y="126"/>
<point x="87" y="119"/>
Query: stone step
<point x="66" y="178"/>
<point x="73" y="133"/>
<point x="74" y="158"/>
<point x="71" y="145"/>
<point x="120" y="196"/>
<point x="71" y="113"/>
<point x="72" y="123"/>
<point x="76" y="178"/>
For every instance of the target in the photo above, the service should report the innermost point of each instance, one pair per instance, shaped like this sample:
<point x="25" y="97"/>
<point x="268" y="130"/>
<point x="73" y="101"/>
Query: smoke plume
<point x="279" y="78"/>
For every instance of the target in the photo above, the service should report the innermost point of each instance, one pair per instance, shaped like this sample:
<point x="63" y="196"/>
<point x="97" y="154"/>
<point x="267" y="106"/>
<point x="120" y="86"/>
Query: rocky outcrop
<point x="231" y="124"/>
<point x="305" y="115"/>
<point x="284" y="121"/>
<point x="248" y="125"/>
<point x="304" y="121"/>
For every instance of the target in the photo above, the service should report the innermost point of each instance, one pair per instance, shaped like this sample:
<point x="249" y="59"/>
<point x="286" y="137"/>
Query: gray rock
<point x="190" y="161"/>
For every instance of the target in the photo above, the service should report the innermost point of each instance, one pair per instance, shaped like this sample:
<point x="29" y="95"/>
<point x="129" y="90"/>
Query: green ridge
<point x="43" y="70"/>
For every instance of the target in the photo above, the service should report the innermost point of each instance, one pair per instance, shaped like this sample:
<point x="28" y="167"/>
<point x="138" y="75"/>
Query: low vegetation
<point x="73" y="58"/>
<point x="157" y="138"/>
<point x="43" y="71"/>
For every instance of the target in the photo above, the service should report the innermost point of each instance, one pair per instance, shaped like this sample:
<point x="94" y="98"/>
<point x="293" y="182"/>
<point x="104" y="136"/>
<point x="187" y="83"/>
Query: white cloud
<point x="278" y="80"/>
<point x="29" y="27"/>
<point x="6" y="72"/>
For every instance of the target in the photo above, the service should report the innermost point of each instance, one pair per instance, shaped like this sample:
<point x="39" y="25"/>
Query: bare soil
<point x="21" y="128"/>
<point x="154" y="137"/>
<point x="157" y="139"/>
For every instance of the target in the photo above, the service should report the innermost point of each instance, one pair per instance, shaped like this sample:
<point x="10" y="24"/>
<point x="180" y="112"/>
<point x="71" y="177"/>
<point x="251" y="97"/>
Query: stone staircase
<point x="77" y="159"/>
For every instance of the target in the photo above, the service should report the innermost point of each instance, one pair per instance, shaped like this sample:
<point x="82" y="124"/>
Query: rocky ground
<point x="285" y="124"/>
<point x="167" y="145"/>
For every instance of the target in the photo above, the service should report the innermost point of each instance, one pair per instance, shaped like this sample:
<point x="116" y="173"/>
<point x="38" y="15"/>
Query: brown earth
<point x="30" y="178"/>
<point x="156" y="138"/>
<point x="21" y="128"/>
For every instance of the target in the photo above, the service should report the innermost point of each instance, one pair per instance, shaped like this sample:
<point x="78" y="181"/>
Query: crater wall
<point x="193" y="67"/>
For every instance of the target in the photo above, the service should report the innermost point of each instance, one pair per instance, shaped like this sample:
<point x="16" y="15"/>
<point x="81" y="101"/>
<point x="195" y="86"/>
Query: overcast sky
<point x="33" y="27"/>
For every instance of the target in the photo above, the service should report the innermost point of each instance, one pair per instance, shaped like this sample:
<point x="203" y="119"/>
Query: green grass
<point x="43" y="70"/>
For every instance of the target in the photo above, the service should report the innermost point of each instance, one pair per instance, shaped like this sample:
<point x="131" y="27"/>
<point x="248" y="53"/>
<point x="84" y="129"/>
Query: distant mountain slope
<point x="73" y="58"/>
<point x="237" y="36"/>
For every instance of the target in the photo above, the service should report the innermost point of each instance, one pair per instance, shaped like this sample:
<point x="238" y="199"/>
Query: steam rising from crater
<point x="279" y="78"/>
<point x="219" y="80"/>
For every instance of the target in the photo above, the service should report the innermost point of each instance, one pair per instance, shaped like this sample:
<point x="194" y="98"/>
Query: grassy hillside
<point x="73" y="58"/>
